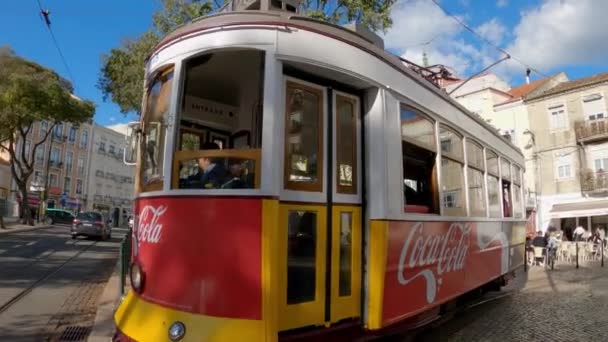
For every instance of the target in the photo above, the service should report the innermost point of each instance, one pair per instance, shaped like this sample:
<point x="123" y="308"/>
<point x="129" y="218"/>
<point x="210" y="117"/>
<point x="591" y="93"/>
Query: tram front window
<point x="154" y="129"/>
<point x="220" y="133"/>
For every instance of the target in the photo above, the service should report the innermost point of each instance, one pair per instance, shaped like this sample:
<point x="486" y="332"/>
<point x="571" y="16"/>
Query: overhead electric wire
<point x="468" y="28"/>
<point x="48" y="26"/>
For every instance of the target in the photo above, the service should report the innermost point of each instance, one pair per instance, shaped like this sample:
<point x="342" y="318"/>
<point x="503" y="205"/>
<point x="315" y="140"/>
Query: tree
<point x="122" y="72"/>
<point x="29" y="93"/>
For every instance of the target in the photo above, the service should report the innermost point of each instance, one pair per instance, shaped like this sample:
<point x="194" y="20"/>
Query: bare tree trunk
<point x="27" y="212"/>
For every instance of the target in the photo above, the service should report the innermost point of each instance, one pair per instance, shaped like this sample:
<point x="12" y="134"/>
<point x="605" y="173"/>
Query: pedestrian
<point x="578" y="233"/>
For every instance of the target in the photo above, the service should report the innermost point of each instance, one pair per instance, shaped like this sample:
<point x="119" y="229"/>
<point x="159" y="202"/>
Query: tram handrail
<point x="248" y="154"/>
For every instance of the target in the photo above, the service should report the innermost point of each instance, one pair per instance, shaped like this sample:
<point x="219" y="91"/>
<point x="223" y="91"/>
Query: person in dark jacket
<point x="211" y="174"/>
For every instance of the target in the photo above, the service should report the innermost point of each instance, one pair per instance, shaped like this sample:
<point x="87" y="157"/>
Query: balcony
<point x="594" y="183"/>
<point x="56" y="164"/>
<point x="591" y="130"/>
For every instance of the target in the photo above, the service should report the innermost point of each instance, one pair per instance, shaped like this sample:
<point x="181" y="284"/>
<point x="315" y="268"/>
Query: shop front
<point x="590" y="215"/>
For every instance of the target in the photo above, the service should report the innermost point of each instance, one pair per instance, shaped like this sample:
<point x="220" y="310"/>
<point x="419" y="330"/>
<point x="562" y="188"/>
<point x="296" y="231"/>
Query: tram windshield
<point x="218" y="145"/>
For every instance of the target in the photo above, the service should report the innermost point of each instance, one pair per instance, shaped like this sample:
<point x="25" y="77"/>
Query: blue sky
<point x="549" y="35"/>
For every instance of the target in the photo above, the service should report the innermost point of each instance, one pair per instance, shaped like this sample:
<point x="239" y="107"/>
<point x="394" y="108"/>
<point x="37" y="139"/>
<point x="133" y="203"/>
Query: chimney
<point x="528" y="76"/>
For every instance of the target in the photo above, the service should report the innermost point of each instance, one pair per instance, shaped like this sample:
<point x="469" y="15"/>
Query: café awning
<point x="580" y="209"/>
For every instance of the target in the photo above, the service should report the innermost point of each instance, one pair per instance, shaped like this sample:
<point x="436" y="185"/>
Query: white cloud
<point x="492" y="30"/>
<point x="502" y="3"/>
<point x="562" y="32"/>
<point x="422" y="27"/>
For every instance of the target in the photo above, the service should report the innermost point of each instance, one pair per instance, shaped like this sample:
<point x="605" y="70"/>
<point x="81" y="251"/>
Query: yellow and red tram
<point x="296" y="181"/>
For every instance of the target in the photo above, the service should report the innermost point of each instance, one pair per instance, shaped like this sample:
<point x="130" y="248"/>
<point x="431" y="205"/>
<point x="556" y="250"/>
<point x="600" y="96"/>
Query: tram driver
<point x="211" y="173"/>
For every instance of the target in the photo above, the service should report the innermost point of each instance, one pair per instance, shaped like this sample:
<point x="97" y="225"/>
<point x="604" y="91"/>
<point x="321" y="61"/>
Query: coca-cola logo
<point x="432" y="256"/>
<point x="149" y="228"/>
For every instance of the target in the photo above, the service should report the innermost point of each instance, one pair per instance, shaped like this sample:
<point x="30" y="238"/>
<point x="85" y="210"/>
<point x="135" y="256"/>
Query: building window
<point x="66" y="185"/>
<point x="558" y="117"/>
<point x="69" y="158"/>
<point x="418" y="149"/>
<point x="84" y="139"/>
<point x="40" y="154"/>
<point x="601" y="164"/>
<point x="563" y="167"/>
<point x="44" y="128"/>
<point x="27" y="150"/>
<point x="72" y="135"/>
<point x="80" y="166"/>
<point x="452" y="172"/>
<point x="594" y="106"/>
<point x="79" y="187"/>
<point x="55" y="155"/>
<point x="102" y="146"/>
<point x="59" y="130"/>
<point x="53" y="180"/>
<point x="111" y="149"/>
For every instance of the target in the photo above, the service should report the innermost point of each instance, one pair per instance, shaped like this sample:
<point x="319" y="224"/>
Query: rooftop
<point x="572" y="85"/>
<point x="518" y="93"/>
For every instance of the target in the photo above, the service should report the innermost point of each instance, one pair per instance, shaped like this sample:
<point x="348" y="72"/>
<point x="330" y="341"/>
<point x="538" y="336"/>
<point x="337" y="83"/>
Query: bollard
<point x="602" y="251"/>
<point x="577" y="253"/>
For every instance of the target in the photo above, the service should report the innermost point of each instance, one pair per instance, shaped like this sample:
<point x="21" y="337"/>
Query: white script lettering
<point x="447" y="252"/>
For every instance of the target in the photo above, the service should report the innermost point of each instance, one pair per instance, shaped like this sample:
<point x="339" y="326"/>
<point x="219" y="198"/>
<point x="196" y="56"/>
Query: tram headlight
<point x="177" y="330"/>
<point x="137" y="277"/>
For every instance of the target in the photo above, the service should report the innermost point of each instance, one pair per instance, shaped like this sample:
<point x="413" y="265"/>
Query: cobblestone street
<point x="566" y="304"/>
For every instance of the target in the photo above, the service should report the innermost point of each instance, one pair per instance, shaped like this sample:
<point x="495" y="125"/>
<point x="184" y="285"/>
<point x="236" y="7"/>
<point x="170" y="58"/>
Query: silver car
<point x="91" y="224"/>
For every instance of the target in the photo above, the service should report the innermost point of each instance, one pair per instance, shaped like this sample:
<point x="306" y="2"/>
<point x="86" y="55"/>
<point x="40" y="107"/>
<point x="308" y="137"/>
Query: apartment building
<point x="61" y="163"/>
<point x="110" y="185"/>
<point x="569" y="126"/>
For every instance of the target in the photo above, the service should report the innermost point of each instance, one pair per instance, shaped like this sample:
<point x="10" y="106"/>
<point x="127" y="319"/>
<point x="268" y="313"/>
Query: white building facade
<point x="110" y="185"/>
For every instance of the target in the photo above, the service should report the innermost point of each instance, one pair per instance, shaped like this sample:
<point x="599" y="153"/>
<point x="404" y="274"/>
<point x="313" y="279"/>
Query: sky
<point x="549" y="36"/>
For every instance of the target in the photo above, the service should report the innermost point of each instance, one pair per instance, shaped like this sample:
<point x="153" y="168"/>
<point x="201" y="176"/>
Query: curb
<point x="9" y="230"/>
<point x="103" y="326"/>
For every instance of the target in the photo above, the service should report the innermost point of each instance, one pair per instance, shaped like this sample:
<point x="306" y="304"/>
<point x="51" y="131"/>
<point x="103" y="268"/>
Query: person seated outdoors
<point x="211" y="174"/>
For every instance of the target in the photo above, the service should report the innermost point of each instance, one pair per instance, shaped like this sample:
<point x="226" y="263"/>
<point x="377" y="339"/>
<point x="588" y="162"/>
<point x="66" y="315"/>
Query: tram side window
<point x="505" y="169"/>
<point x="154" y="129"/>
<point x="220" y="135"/>
<point x="475" y="172"/>
<point x="493" y="190"/>
<point x="517" y="201"/>
<point x="452" y="174"/>
<point x="419" y="169"/>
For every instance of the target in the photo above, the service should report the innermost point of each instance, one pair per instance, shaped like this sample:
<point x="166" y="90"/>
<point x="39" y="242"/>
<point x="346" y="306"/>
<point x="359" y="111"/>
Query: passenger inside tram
<point x="220" y="134"/>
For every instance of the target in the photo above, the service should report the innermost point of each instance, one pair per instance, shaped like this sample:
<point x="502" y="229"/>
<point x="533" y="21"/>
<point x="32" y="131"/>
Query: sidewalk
<point x="13" y="225"/>
<point x="103" y="327"/>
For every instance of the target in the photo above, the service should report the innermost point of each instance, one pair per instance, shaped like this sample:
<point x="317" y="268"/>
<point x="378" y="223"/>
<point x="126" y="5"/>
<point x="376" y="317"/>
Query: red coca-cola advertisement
<point x="202" y="255"/>
<point x="429" y="263"/>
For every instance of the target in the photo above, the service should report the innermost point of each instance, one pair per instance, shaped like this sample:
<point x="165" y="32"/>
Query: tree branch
<point x="24" y="157"/>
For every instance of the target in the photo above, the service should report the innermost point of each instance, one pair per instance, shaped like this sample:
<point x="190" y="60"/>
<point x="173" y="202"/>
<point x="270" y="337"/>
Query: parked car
<point x="91" y="224"/>
<point x="61" y="216"/>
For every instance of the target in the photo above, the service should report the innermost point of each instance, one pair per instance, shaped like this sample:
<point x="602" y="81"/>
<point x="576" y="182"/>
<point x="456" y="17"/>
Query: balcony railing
<point x="594" y="182"/>
<point x="591" y="130"/>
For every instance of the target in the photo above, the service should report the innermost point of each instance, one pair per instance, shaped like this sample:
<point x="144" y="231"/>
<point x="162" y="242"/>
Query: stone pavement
<point x="566" y="304"/>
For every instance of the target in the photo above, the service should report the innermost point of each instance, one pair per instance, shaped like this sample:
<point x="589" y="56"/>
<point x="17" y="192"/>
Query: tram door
<point x="320" y="282"/>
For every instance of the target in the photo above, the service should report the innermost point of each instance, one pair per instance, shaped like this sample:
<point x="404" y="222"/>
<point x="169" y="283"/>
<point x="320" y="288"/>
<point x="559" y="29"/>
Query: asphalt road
<point x="49" y="282"/>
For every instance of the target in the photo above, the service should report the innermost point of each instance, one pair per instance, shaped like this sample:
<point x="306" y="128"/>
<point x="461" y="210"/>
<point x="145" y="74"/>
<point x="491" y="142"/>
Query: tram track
<point x="19" y="296"/>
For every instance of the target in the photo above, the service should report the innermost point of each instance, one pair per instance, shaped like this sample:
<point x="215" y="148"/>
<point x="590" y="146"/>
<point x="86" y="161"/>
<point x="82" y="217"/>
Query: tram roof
<point x="279" y="18"/>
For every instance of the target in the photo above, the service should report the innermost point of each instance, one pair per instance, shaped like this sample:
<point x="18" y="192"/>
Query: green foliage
<point x="30" y="92"/>
<point x="122" y="73"/>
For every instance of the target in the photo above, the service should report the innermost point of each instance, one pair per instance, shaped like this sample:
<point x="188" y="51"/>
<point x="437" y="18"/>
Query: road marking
<point x="31" y="243"/>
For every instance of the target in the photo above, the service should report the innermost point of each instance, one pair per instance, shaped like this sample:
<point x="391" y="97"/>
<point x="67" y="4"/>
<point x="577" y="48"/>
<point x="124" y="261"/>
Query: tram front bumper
<point x="139" y="320"/>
